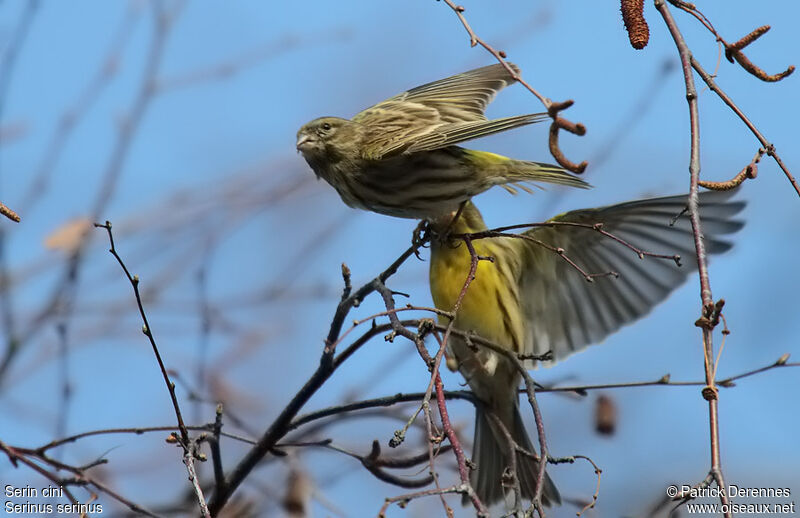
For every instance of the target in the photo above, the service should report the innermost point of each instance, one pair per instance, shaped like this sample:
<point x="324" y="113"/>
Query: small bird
<point x="530" y="300"/>
<point x="399" y="157"/>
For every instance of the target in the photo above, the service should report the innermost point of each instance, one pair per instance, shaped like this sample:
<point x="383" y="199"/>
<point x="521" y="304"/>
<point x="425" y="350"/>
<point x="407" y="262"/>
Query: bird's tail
<point x="490" y="454"/>
<point x="520" y="172"/>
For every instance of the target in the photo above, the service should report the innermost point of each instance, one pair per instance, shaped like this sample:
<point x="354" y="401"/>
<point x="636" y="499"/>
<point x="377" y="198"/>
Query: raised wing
<point x="451" y="134"/>
<point x="566" y="313"/>
<point x="459" y="98"/>
<point x="438" y="114"/>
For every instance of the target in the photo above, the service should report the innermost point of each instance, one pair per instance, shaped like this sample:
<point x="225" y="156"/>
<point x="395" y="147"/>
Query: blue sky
<point x="211" y="183"/>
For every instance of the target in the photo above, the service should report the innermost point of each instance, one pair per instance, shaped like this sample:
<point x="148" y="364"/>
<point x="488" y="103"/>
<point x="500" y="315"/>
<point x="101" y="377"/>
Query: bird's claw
<point x="419" y="237"/>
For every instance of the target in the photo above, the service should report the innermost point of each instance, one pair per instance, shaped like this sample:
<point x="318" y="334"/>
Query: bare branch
<point x="552" y="108"/>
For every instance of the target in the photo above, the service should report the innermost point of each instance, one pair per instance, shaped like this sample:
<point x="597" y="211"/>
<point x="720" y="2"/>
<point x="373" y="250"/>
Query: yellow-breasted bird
<point x="531" y="301"/>
<point x="399" y="157"/>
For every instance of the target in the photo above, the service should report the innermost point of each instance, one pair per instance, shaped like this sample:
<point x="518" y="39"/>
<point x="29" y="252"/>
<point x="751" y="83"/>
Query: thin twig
<point x="733" y="52"/>
<point x="134" y="281"/>
<point x="374" y="463"/>
<point x="189" y="457"/>
<point x="189" y="445"/>
<point x="596" y="227"/>
<point x="750" y="171"/>
<point x="80" y="479"/>
<point x="597" y="471"/>
<point x="436" y="382"/>
<point x="770" y="148"/>
<point x="404" y="499"/>
<point x="553" y="108"/>
<point x="328" y="365"/>
<point x="702" y="261"/>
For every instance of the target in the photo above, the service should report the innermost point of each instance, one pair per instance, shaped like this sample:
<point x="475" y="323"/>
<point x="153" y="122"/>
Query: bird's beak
<point x="301" y="141"/>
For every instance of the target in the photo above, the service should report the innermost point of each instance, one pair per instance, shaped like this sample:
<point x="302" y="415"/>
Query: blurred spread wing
<point x="566" y="313"/>
<point x="460" y="98"/>
<point x="438" y="114"/>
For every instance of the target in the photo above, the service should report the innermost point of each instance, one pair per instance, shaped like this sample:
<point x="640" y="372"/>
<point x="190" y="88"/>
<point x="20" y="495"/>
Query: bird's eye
<point x="326" y="126"/>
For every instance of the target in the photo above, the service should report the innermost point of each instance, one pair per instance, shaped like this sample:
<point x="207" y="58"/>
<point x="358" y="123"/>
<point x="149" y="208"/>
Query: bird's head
<point x="319" y="138"/>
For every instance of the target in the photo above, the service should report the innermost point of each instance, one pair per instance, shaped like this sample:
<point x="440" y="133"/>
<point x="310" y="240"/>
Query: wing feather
<point x="566" y="313"/>
<point x="459" y="98"/>
<point x="438" y="114"/>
